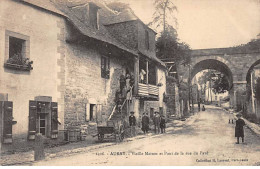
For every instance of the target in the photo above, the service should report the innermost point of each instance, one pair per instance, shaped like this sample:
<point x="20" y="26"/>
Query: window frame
<point x="9" y="34"/>
<point x="105" y="70"/>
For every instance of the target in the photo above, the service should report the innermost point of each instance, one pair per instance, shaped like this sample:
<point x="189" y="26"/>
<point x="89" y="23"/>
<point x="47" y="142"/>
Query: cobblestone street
<point x="204" y="139"/>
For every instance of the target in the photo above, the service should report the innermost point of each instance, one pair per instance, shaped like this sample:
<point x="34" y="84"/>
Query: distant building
<point x="215" y="98"/>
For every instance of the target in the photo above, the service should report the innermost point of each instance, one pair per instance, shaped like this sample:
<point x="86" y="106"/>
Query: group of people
<point x="158" y="121"/>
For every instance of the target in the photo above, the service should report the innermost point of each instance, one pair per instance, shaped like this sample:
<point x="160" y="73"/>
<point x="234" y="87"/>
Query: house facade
<point x="79" y="61"/>
<point x="30" y="74"/>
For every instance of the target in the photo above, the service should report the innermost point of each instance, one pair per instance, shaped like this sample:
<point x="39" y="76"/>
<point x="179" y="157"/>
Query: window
<point x="16" y="48"/>
<point x="17" y="53"/>
<point x="147" y="45"/>
<point x="91" y="112"/>
<point x="105" y="67"/>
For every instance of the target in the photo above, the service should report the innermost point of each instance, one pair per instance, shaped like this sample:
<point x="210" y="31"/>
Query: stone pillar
<point x="136" y="75"/>
<point x="177" y="101"/>
<point x="39" y="147"/>
<point x="239" y="88"/>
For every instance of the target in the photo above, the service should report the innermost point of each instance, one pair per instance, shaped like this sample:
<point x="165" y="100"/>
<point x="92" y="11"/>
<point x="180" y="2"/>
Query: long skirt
<point x="239" y="132"/>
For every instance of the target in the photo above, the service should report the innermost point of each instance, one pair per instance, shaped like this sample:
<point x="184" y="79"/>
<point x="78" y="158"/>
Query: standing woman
<point x="239" y="129"/>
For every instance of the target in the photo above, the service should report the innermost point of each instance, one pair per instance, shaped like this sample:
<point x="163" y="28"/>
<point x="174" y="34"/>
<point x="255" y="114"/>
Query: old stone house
<point x="79" y="51"/>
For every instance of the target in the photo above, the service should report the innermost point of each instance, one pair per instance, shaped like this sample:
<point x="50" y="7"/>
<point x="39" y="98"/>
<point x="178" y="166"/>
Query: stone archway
<point x="237" y="65"/>
<point x="211" y="62"/>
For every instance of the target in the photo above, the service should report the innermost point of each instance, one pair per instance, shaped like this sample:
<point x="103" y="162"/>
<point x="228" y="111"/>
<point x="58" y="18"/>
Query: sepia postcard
<point x="130" y="82"/>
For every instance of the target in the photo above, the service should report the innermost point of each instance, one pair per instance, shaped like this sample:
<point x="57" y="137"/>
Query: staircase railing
<point x="113" y="111"/>
<point x="121" y="108"/>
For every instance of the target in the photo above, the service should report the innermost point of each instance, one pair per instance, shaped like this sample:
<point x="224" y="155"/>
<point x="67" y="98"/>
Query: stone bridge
<point x="236" y="64"/>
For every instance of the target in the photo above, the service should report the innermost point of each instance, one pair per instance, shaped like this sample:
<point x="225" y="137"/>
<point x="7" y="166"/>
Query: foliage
<point x="163" y="13"/>
<point x="221" y="84"/>
<point x="183" y="91"/>
<point x="168" y="46"/>
<point x="253" y="45"/>
<point x="219" y="81"/>
<point x="19" y="60"/>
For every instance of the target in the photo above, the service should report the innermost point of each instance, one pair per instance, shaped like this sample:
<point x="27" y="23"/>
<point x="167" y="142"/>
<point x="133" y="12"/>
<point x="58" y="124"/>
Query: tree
<point x="163" y="13"/>
<point x="221" y="84"/>
<point x="218" y="82"/>
<point x="168" y="46"/>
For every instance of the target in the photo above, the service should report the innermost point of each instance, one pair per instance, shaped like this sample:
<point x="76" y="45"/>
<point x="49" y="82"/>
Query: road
<point x="204" y="139"/>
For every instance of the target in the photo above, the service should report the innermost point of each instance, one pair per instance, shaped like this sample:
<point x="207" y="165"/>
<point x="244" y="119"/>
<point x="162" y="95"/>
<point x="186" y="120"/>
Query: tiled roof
<point x="107" y="16"/>
<point x="44" y="4"/>
<point x="100" y="34"/>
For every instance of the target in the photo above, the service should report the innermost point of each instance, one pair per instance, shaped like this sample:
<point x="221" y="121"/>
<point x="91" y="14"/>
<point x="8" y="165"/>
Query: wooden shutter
<point x="32" y="119"/>
<point x="54" y="120"/>
<point x="99" y="112"/>
<point x="95" y="112"/>
<point x="8" y="119"/>
<point x="87" y="112"/>
<point x="1" y="120"/>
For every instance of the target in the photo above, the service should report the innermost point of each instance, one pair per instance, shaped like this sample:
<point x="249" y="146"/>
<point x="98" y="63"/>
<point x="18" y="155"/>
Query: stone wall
<point x="84" y="84"/>
<point x="125" y="32"/>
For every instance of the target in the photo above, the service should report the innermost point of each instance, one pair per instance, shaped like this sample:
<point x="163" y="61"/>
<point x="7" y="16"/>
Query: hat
<point x="239" y="115"/>
<point x="132" y="112"/>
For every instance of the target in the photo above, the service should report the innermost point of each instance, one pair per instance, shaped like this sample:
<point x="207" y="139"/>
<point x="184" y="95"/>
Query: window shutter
<point x="8" y="119"/>
<point x="99" y="112"/>
<point x="87" y="112"/>
<point x="95" y="113"/>
<point x="54" y="120"/>
<point x="103" y="69"/>
<point x="1" y="120"/>
<point x="108" y="68"/>
<point x="32" y="119"/>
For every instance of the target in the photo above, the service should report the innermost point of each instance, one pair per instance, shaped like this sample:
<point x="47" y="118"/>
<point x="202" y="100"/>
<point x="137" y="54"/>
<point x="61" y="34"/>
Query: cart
<point x="116" y="131"/>
<point x="114" y="128"/>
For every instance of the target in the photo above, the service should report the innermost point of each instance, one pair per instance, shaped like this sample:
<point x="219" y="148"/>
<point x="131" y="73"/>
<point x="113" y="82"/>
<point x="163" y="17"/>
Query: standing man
<point x="145" y="123"/>
<point x="162" y="124"/>
<point x="157" y="120"/>
<point x="132" y="123"/>
<point x="239" y="129"/>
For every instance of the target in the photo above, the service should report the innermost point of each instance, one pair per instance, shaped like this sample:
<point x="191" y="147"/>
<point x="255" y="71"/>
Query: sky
<point x="209" y="23"/>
